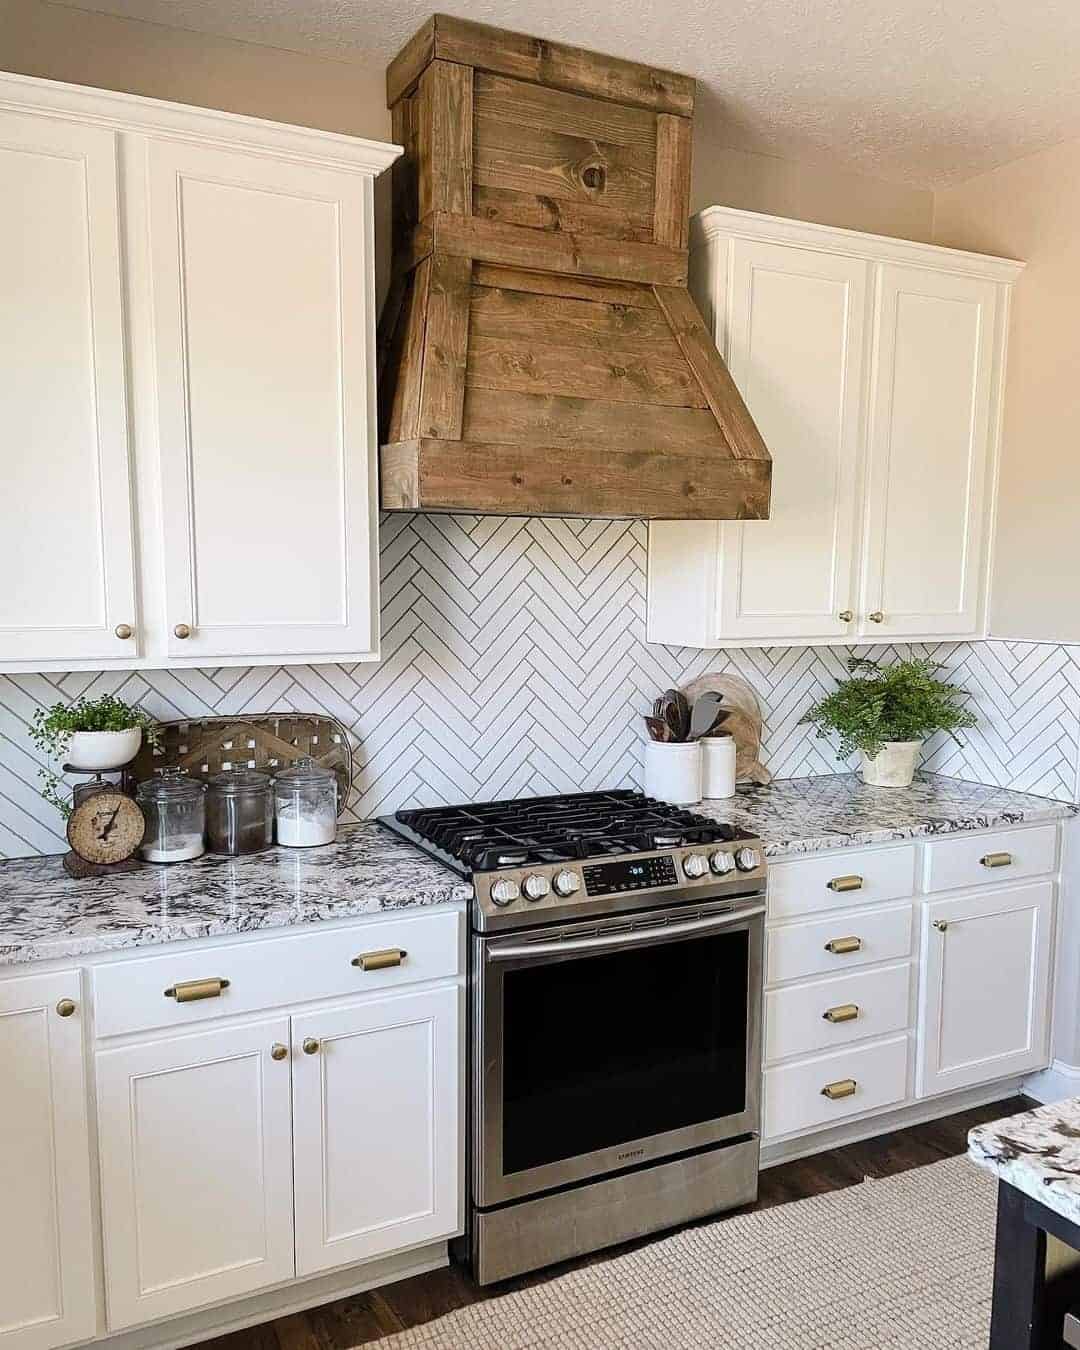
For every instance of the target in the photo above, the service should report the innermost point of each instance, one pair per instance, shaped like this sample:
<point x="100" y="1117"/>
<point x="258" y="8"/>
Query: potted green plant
<point x="91" y="734"/>
<point x="887" y="712"/>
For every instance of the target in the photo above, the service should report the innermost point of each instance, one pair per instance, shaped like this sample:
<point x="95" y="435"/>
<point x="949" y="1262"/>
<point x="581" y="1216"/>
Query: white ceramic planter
<point x="893" y="765"/>
<point x="673" y="772"/>
<point x="101" y="750"/>
<point x="717" y="766"/>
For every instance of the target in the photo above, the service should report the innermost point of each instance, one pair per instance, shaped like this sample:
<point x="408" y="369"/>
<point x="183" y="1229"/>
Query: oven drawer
<point x="1005" y="855"/>
<point x="815" y="1093"/>
<point x="841" y="878"/>
<point x="802" y="1019"/>
<point x="835" y="945"/>
<point x="271" y="972"/>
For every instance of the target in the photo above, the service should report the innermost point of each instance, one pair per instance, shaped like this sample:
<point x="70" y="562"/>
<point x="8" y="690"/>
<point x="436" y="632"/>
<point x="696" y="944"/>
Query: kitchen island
<point x="1036" y="1158"/>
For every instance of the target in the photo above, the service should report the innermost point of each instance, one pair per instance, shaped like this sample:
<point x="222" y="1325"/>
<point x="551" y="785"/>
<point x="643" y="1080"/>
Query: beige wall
<point x="84" y="48"/>
<point x="1030" y="209"/>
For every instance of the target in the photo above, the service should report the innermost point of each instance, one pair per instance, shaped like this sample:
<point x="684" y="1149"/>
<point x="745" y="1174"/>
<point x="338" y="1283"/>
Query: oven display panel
<point x="635" y="875"/>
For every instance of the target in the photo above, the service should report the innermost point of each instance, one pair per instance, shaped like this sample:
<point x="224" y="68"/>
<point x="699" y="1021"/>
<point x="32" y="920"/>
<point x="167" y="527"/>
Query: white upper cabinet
<point x="930" y="433"/>
<point x="66" y="530"/>
<point x="873" y="368"/>
<point x="208" y="281"/>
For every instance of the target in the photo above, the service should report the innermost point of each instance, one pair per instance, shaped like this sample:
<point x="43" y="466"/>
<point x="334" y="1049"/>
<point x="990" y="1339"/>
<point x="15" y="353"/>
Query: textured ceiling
<point x="921" y="91"/>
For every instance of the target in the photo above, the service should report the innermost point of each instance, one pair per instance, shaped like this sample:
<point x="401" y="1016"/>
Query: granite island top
<point x="1038" y="1152"/>
<point x="46" y="915"/>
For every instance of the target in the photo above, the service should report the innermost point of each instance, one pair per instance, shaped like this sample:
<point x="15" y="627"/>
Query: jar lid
<point x="232" y="782"/>
<point x="304" y="772"/>
<point x="169" y="784"/>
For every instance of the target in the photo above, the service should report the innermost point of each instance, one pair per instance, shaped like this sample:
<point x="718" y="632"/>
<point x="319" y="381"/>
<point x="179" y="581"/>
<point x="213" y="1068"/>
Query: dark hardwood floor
<point x="365" y="1318"/>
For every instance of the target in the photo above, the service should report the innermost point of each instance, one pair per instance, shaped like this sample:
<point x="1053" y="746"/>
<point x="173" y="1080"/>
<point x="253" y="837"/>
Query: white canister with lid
<point x="718" y="766"/>
<point x="305" y="805"/>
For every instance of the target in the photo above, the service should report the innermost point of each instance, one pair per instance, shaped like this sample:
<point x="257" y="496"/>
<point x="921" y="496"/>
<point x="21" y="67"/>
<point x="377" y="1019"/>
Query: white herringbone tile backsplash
<point x="515" y="662"/>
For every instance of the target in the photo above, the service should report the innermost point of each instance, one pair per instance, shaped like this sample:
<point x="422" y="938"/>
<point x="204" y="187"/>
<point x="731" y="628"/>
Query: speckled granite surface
<point x="44" y="914"/>
<point x="808" y="815"/>
<point x="1038" y="1152"/>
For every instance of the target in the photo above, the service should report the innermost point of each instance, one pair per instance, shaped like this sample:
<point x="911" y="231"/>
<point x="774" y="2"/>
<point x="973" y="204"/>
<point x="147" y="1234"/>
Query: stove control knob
<point x="566" y="882"/>
<point x="504" y="892"/>
<point x="535" y="887"/>
<point x="746" y="859"/>
<point x="695" y="864"/>
<point x="722" y="863"/>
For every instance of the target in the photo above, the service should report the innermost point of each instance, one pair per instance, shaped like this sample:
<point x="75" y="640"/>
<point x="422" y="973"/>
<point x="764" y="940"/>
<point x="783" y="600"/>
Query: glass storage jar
<point x="174" y="805"/>
<point x="239" y="811"/>
<point x="305" y="805"/>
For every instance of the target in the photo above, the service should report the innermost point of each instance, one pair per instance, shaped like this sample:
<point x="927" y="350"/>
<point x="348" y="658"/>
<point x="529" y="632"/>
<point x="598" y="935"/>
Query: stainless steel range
<point x="615" y="999"/>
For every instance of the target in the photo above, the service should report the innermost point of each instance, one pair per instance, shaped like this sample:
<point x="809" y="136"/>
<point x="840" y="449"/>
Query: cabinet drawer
<point x="802" y="1019"/>
<point x="130" y="995"/>
<point x="798" y="950"/>
<point x="1019" y="853"/>
<point x="794" y="1093"/>
<point x="834" y="880"/>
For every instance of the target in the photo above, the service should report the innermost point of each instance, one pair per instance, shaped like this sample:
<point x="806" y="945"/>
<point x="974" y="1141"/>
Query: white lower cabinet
<point x="375" y="1113"/>
<point x="47" y="1294"/>
<point x="984" y="1005"/>
<point x="196" y="1169"/>
<point x="811" y="1093"/>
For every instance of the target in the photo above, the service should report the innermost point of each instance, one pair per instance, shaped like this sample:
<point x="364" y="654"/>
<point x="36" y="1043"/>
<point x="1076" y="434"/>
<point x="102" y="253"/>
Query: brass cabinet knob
<point x="941" y="925"/>
<point x="278" y="1051"/>
<point x="65" y="1007"/>
<point x="182" y="631"/>
<point x="846" y="615"/>
<point x="124" y="631"/>
<point x="876" y="617"/>
<point x="311" y="1045"/>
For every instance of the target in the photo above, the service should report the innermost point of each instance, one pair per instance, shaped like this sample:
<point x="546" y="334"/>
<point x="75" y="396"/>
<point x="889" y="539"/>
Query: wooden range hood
<point x="539" y="350"/>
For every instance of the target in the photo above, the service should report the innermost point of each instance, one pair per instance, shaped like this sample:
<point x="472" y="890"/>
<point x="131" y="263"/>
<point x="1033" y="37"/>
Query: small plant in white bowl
<point x="95" y="735"/>
<point x="887" y="712"/>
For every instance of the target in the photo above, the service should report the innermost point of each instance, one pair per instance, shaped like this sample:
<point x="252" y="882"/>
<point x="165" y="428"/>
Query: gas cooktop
<point x="536" y="859"/>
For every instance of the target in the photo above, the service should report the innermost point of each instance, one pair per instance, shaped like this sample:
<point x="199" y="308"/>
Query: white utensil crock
<point x="673" y="771"/>
<point x="717" y="766"/>
<point x="893" y="765"/>
<point x="101" y="750"/>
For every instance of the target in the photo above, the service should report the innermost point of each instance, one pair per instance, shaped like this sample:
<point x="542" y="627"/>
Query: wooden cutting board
<point x="744" y="721"/>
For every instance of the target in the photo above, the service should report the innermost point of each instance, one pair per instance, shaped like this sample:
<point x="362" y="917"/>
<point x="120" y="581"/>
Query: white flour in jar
<point x="181" y="847"/>
<point x="306" y="831"/>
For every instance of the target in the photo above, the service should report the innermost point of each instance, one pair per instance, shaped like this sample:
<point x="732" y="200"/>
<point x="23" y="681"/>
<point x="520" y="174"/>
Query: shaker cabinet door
<point x="47" y="1240"/>
<point x="985" y="987"/>
<point x="795" y="347"/>
<point x="66" y="545"/>
<point x="196" y="1170"/>
<point x="929" y="454"/>
<point x="377" y="1119"/>
<point x="264" y="345"/>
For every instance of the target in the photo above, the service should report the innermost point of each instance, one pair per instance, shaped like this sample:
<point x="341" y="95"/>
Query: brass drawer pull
<point x="310" y="1046"/>
<point x="996" y="859"/>
<point x="65" y="1007"/>
<point x="393" y="956"/>
<point x="843" y="946"/>
<point x="852" y="883"/>
<point x="190" y="991"/>
<point x="278" y="1052"/>
<point x="843" y="1087"/>
<point x="843" y="1012"/>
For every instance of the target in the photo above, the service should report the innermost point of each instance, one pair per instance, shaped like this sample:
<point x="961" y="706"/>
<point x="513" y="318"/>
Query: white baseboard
<point x="293" y="1297"/>
<point x="1060" y="1080"/>
<point x="883" y="1122"/>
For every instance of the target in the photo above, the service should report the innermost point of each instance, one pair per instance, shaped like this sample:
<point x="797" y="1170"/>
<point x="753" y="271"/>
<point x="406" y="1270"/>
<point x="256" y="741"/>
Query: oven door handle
<point x="637" y="937"/>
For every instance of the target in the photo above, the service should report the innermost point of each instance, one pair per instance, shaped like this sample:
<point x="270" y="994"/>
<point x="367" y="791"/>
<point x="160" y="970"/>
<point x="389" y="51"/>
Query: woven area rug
<point x="903" y="1263"/>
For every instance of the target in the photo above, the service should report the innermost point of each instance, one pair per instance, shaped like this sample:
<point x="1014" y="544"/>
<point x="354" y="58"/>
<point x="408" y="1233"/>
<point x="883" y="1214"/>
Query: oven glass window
<point x="601" y="1050"/>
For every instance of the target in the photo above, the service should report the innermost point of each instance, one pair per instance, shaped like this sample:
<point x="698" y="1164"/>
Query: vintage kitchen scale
<point x="106" y="825"/>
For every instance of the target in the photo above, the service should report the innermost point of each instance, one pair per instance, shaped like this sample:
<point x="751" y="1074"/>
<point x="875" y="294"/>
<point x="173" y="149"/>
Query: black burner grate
<point x="528" y="830"/>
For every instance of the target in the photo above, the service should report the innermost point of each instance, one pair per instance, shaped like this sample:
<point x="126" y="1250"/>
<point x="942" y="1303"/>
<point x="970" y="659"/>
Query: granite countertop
<point x="809" y="815"/>
<point x="1038" y="1152"/>
<point x="45" y="914"/>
